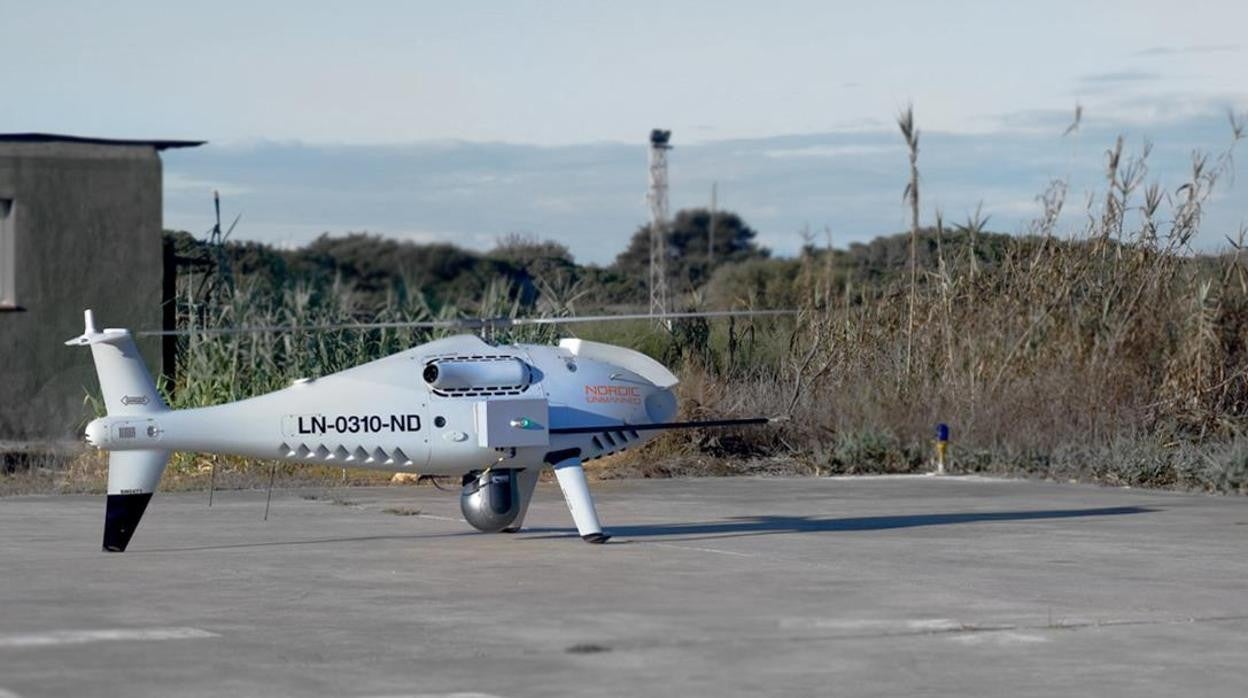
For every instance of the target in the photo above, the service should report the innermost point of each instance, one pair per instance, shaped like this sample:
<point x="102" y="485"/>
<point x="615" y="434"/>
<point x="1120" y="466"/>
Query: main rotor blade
<point x="645" y="316"/>
<point x="661" y="425"/>
<point x="263" y="329"/>
<point x="465" y="323"/>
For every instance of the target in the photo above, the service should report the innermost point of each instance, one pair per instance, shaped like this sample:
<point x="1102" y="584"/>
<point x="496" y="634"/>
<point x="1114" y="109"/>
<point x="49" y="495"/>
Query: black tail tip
<point x="596" y="538"/>
<point x="121" y="518"/>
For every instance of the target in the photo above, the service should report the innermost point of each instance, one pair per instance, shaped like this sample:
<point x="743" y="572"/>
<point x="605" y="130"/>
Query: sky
<point x="467" y="121"/>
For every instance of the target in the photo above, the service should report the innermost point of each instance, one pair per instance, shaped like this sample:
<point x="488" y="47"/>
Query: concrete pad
<point x="873" y="586"/>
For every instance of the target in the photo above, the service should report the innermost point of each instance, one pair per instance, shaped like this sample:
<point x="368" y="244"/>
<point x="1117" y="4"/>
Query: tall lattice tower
<point x="659" y="145"/>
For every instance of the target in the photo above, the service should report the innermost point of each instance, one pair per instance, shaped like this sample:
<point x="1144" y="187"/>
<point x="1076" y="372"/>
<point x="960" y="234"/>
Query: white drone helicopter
<point x="459" y="406"/>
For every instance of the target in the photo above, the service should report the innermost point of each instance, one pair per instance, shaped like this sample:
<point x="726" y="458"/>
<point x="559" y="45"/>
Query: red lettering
<point x="628" y="394"/>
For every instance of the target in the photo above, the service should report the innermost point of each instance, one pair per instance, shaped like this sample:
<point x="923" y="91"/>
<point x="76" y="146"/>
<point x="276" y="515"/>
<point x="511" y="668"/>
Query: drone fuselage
<point x="455" y="406"/>
<point x="479" y="407"/>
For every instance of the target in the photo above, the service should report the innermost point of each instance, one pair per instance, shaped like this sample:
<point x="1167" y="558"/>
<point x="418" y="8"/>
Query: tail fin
<point x="132" y="478"/>
<point x="128" y="390"/>
<point x="124" y="380"/>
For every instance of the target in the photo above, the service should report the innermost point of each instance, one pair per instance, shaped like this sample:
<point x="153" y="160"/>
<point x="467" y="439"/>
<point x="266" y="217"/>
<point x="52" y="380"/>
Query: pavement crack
<point x="967" y="628"/>
<point x="953" y="629"/>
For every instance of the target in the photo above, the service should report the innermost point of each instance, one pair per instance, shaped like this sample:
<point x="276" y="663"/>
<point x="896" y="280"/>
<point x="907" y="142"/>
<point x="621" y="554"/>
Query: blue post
<point x="942" y="446"/>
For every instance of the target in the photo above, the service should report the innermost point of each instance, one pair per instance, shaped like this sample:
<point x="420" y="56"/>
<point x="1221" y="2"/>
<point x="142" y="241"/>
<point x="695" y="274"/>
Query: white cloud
<point x="1013" y="207"/>
<point x="1120" y="76"/>
<point x="1164" y="51"/>
<point x="179" y="181"/>
<point x="590" y="197"/>
<point x="832" y="151"/>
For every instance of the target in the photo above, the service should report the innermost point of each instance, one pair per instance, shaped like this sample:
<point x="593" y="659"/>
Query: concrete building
<point x="80" y="227"/>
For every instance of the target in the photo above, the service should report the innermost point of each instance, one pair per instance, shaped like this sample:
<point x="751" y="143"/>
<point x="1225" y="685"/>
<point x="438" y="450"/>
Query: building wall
<point x="88" y="235"/>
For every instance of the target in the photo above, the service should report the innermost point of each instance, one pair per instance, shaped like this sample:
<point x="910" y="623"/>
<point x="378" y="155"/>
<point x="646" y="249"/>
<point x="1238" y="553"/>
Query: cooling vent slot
<point x="471" y="357"/>
<point x="479" y="392"/>
<point x="612" y="442"/>
<point x="340" y="453"/>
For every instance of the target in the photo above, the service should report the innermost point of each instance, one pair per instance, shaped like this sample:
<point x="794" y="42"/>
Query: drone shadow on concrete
<point x="735" y="527"/>
<point x="769" y="524"/>
<point x="285" y="543"/>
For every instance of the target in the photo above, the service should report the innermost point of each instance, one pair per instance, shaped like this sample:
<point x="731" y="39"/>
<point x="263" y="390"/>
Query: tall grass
<point x="1113" y="353"/>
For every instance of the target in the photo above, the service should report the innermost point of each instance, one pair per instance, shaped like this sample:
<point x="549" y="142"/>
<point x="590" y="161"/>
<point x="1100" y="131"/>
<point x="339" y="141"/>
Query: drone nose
<point x="97" y="432"/>
<point x="661" y="405"/>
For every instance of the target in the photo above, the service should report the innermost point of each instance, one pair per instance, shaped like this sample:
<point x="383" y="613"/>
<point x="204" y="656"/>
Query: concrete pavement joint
<point x="694" y="548"/>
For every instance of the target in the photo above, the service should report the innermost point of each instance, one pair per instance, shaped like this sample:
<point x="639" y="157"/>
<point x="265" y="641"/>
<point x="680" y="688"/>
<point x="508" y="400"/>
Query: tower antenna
<point x="710" y="225"/>
<point x="219" y="275"/>
<point x="659" y="145"/>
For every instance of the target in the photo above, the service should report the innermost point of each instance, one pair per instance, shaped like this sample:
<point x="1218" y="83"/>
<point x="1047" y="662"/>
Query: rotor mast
<point x="657" y="197"/>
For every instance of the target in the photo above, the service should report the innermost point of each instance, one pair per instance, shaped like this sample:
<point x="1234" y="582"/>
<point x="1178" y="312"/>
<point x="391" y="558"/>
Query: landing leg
<point x="575" y="488"/>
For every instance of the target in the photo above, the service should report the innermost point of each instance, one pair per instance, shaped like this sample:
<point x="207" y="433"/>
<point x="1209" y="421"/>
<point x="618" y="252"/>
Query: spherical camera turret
<point x="490" y="500"/>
